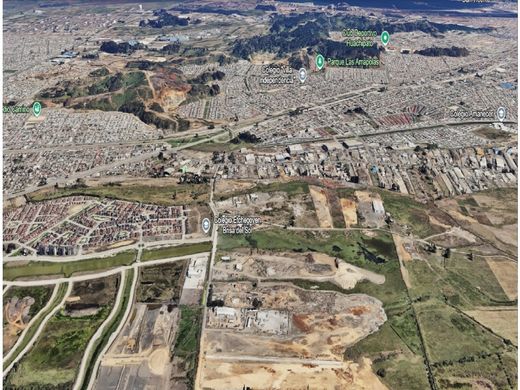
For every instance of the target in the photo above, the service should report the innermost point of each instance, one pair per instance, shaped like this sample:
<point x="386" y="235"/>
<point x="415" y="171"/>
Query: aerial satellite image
<point x="260" y="195"/>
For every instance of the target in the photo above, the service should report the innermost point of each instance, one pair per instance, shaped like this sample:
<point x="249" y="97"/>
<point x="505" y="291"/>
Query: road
<point x="113" y="336"/>
<point x="31" y="323"/>
<point x="210" y="278"/>
<point x="107" y="253"/>
<point x="102" y="274"/>
<point x="216" y="133"/>
<point x="275" y="360"/>
<point x="40" y="330"/>
<point x="87" y="355"/>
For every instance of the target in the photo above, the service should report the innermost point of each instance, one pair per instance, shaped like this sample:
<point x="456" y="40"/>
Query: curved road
<point x="40" y="330"/>
<point x="31" y="322"/>
<point x="113" y="336"/>
<point x="79" y="278"/>
<point x="80" y="377"/>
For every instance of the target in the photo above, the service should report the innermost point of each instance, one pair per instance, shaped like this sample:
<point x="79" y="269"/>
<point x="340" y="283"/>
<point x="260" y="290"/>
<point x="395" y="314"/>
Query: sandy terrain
<point x="403" y="256"/>
<point x="506" y="274"/>
<point x="504" y="235"/>
<point x="319" y="199"/>
<point x="120" y="244"/>
<point x="502" y="320"/>
<point x="322" y="324"/>
<point x="229" y="186"/>
<point x="140" y="354"/>
<point x="158" y="361"/>
<point x="224" y="375"/>
<point x="348" y="207"/>
<point x="401" y="251"/>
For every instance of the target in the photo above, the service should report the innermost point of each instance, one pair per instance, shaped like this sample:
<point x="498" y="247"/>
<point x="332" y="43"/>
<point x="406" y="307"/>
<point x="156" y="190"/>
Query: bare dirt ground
<point x="275" y="208"/>
<point x="195" y="216"/>
<point x="322" y="208"/>
<point x="401" y="251"/>
<point x="224" y="187"/>
<point x="348" y="207"/>
<point x="322" y="323"/>
<point x="290" y="265"/>
<point x="502" y="320"/>
<point x="506" y="272"/>
<point x="490" y="217"/>
<point x="224" y="375"/>
<point x="140" y="353"/>
<point x="16" y="318"/>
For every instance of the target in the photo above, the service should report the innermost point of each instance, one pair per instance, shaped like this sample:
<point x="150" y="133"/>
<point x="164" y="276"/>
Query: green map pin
<point x="37" y="109"/>
<point x="320" y="61"/>
<point x="385" y="37"/>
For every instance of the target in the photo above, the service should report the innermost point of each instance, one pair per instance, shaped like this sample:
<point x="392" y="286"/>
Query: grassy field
<point x="495" y="369"/>
<point x="13" y="271"/>
<point x="62" y="289"/>
<point x="111" y="327"/>
<point x="334" y="243"/>
<point x="176" y="142"/>
<point x="187" y="343"/>
<point x="161" y="283"/>
<point x="392" y="358"/>
<point x="464" y="283"/>
<point x="290" y="187"/>
<point x="164" y="195"/>
<point x="212" y="146"/>
<point x="449" y="335"/>
<point x="56" y="356"/>
<point x="176" y="251"/>
<point x="407" y="211"/>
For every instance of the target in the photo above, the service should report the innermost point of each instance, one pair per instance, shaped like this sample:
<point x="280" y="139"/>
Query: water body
<point x="508" y="85"/>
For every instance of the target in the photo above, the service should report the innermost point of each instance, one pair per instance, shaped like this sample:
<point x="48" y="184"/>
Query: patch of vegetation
<point x="122" y="47"/>
<point x="336" y="210"/>
<point x="435" y="51"/>
<point x="187" y="342"/>
<point x="176" y="142"/>
<point x="450" y="336"/>
<point x="409" y="212"/>
<point x="116" y="82"/>
<point x="492" y="134"/>
<point x="56" y="356"/>
<point x="110" y="328"/>
<point x="40" y="294"/>
<point x="62" y="289"/>
<point x="176" y="251"/>
<point x="462" y="282"/>
<point x="401" y="372"/>
<point x="212" y="146"/>
<point x="100" y="72"/>
<point x="164" y="195"/>
<point x="14" y="271"/>
<point x="161" y="283"/>
<point x="290" y="33"/>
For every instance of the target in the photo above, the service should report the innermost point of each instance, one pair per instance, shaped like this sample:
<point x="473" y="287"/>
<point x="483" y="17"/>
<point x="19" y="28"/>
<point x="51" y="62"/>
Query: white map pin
<point x="501" y="113"/>
<point x="302" y="74"/>
<point x="206" y="224"/>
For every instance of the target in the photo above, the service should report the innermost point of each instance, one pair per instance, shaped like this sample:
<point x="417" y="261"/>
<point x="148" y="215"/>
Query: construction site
<point x="278" y="323"/>
<point x="140" y="356"/>
<point x="276" y="207"/>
